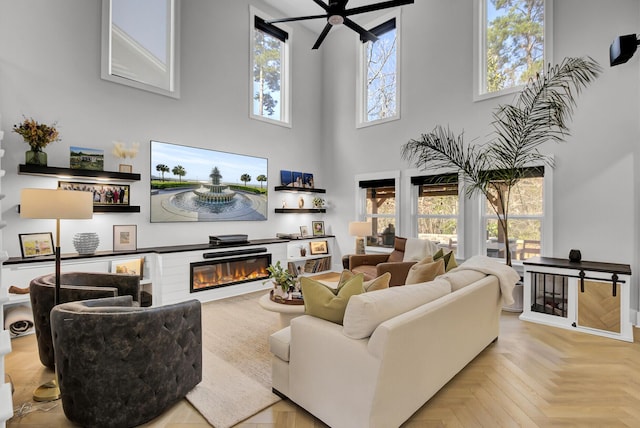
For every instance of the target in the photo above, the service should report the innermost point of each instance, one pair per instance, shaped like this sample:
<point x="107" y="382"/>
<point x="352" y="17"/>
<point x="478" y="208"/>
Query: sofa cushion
<point x="374" y="284"/>
<point x="279" y="343"/>
<point x="327" y="303"/>
<point x="366" y="311"/>
<point x="368" y="271"/>
<point x="461" y="278"/>
<point x="423" y="272"/>
<point x="397" y="254"/>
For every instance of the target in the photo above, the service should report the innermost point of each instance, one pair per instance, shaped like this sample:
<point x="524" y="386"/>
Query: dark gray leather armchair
<point x="74" y="286"/>
<point x="122" y="366"/>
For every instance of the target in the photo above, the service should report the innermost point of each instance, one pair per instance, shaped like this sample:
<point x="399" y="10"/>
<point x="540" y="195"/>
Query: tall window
<point x="514" y="43"/>
<point x="526" y="218"/>
<point x="379" y="88"/>
<point x="379" y="201"/>
<point x="438" y="209"/>
<point x="269" y="72"/>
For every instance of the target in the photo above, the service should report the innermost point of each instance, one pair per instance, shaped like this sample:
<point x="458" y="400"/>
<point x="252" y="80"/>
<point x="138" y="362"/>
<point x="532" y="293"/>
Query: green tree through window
<point x="514" y="37"/>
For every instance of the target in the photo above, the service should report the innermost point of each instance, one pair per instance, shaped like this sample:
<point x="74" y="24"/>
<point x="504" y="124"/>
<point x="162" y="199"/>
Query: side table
<point x="287" y="312"/>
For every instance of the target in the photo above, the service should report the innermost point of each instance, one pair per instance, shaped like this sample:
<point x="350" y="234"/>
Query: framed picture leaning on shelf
<point x="103" y="194"/>
<point x="125" y="237"/>
<point x="304" y="231"/>
<point x="36" y="244"/>
<point x="318" y="247"/>
<point x="128" y="266"/>
<point x="318" y="228"/>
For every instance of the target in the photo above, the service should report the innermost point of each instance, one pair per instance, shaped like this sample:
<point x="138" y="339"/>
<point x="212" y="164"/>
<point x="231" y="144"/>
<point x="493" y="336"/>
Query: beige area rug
<point x="236" y="378"/>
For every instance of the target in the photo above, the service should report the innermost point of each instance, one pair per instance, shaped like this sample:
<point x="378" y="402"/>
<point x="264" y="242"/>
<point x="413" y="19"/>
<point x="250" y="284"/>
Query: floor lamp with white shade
<point x="58" y="205"/>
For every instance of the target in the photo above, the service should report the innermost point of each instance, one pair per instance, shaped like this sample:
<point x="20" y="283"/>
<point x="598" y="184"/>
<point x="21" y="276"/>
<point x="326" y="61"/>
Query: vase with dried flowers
<point x="38" y="136"/>
<point x="121" y="151"/>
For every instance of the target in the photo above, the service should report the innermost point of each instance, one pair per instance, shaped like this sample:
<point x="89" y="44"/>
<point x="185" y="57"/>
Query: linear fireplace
<point x="222" y="272"/>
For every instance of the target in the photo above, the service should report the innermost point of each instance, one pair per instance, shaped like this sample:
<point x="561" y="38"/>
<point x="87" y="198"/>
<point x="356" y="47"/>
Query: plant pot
<point x="35" y="158"/>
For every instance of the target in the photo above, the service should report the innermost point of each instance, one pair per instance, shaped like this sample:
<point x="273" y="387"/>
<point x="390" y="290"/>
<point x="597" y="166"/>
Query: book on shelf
<point x="317" y="265"/>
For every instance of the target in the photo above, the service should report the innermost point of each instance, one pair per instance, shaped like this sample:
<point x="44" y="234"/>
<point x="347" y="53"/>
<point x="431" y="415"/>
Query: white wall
<point x="50" y="70"/>
<point x="596" y="188"/>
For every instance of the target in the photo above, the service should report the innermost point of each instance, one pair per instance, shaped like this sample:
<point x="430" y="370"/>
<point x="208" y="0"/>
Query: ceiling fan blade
<point x="377" y="6"/>
<point x="324" y="33"/>
<point x="364" y="34"/>
<point x="297" y="18"/>
<point x="321" y="4"/>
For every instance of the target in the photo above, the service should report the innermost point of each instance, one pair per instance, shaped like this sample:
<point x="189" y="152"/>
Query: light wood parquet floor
<point x="533" y="376"/>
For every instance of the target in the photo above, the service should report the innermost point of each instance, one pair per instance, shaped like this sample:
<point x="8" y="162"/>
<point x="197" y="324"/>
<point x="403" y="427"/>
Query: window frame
<point x="361" y="203"/>
<point x="479" y="50"/>
<point x="546" y="219"/>
<point x="361" y="78"/>
<point x="285" y="77"/>
<point x="413" y="215"/>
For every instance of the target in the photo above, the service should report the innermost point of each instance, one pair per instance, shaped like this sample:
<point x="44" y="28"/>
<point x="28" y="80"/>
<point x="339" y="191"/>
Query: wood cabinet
<point x="590" y="297"/>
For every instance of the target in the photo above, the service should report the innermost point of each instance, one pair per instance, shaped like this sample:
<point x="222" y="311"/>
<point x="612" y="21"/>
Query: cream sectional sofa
<point x="396" y="349"/>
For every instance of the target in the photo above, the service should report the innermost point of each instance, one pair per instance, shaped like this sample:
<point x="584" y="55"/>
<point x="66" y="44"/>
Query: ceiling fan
<point x="337" y="14"/>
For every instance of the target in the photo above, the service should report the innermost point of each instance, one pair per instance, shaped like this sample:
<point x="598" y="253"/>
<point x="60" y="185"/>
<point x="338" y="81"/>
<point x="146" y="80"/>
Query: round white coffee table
<point x="287" y="312"/>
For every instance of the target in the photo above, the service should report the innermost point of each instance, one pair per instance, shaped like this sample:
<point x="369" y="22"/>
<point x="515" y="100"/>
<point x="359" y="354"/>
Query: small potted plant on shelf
<point x="318" y="202"/>
<point x="121" y="151"/>
<point x="282" y="280"/>
<point x="37" y="136"/>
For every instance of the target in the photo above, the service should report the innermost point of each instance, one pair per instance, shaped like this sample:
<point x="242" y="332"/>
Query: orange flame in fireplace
<point x="225" y="273"/>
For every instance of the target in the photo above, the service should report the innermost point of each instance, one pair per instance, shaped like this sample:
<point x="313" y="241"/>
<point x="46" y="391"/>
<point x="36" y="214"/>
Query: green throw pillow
<point x="379" y="283"/>
<point x="324" y="302"/>
<point x="449" y="259"/>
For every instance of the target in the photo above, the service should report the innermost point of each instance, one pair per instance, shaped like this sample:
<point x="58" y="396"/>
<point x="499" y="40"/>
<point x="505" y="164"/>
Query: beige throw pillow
<point x="424" y="272"/>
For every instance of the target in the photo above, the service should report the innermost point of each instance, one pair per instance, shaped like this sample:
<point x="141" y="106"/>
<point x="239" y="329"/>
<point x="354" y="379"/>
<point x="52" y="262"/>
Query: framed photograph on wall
<point x="128" y="266"/>
<point x="103" y="194"/>
<point x="318" y="247"/>
<point x="36" y="244"/>
<point x="125" y="237"/>
<point x="318" y="228"/>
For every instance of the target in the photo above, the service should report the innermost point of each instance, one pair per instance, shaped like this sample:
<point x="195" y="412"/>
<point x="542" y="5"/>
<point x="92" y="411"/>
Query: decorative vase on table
<point x="86" y="243"/>
<point x="36" y="157"/>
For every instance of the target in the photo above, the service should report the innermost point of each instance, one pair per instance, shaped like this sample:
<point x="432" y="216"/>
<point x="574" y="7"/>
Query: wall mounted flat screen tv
<point x="196" y="184"/>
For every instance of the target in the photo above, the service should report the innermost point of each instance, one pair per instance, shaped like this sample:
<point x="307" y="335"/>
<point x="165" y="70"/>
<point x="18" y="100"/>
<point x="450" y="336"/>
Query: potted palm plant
<point x="540" y="113"/>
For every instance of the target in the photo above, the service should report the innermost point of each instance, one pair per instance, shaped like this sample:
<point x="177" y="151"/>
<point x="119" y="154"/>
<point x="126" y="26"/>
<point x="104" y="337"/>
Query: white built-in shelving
<point x="6" y="402"/>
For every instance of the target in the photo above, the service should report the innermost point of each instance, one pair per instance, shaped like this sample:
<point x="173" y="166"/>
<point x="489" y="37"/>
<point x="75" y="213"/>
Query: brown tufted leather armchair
<point x="120" y="365"/>
<point x="74" y="286"/>
<point x="374" y="265"/>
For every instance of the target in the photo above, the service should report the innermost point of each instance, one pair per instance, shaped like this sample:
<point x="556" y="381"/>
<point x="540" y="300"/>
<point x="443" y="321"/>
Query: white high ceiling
<point x="292" y="8"/>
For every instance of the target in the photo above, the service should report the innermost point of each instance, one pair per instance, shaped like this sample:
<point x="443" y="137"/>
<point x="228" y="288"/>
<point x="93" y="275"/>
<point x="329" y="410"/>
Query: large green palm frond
<point x="541" y="113"/>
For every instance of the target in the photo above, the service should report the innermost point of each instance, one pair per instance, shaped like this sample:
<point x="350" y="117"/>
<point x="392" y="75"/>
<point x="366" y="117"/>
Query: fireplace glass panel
<point x="221" y="273"/>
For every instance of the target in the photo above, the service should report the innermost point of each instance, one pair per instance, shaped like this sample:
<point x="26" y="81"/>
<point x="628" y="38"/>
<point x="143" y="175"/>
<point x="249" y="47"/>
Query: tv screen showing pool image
<point x="197" y="184"/>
